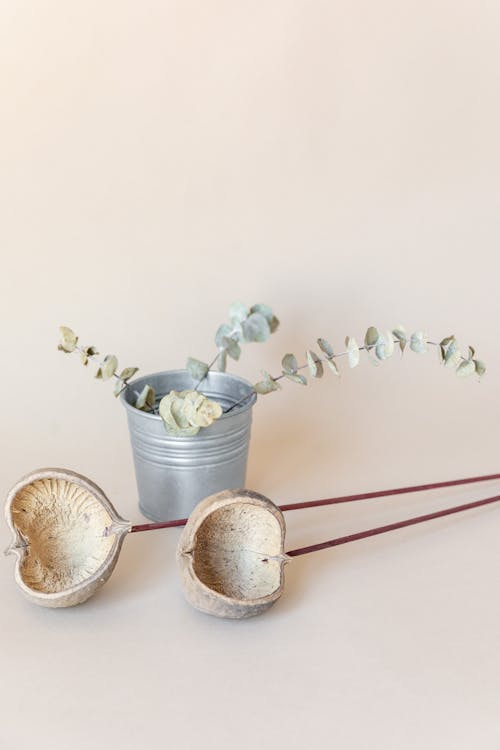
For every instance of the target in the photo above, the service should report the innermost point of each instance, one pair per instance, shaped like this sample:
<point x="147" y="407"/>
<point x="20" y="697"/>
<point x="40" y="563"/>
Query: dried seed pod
<point x="230" y="554"/>
<point x="66" y="535"/>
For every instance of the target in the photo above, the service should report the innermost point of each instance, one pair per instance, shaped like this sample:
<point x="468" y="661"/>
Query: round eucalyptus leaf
<point x="120" y="385"/>
<point x="418" y="342"/>
<point x="128" y="372"/>
<point x="289" y="364"/>
<point x="314" y="364"/>
<point x="333" y="366"/>
<point x="274" y="324"/>
<point x="453" y="355"/>
<point x="389" y="344"/>
<point x="447" y="340"/>
<point x="197" y="369"/>
<point x="232" y="347"/>
<point x="480" y="367"/>
<point x="295" y="377"/>
<point x="400" y="334"/>
<point x="325" y="347"/>
<point x="109" y="366"/>
<point x="68" y="339"/>
<point x="224" y="331"/>
<point x="256" y="328"/>
<point x="371" y="336"/>
<point x="465" y="368"/>
<point x="264" y="310"/>
<point x="352" y="351"/>
<point x="146" y="399"/>
<point x="268" y="314"/>
<point x="238" y="312"/>
<point x="267" y="384"/>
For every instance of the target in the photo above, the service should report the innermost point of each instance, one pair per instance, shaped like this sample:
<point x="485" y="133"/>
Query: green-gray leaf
<point x="295" y="377"/>
<point x="289" y="364"/>
<point x="119" y="387"/>
<point x="238" y="312"/>
<point x="325" y="347"/>
<point x="128" y="372"/>
<point x="232" y="347"/>
<point x="380" y="348"/>
<point x="465" y="368"/>
<point x="146" y="399"/>
<point x="453" y="355"/>
<point x="333" y="366"/>
<point x="109" y="366"/>
<point x="352" y="351"/>
<point x="389" y="344"/>
<point x="224" y="331"/>
<point x="256" y="328"/>
<point x="314" y="364"/>
<point x="267" y="385"/>
<point x="400" y="334"/>
<point x="417" y="342"/>
<point x="372" y="336"/>
<point x="196" y="368"/>
<point x="480" y="367"/>
<point x="68" y="340"/>
<point x="472" y="351"/>
<point x="447" y="340"/>
<point x="266" y="311"/>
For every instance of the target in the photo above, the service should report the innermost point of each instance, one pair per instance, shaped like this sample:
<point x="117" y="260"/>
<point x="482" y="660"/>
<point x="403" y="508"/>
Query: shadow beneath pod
<point x="145" y="560"/>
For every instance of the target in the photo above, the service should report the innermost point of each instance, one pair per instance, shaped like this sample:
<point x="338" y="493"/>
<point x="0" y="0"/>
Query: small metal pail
<point x="174" y="473"/>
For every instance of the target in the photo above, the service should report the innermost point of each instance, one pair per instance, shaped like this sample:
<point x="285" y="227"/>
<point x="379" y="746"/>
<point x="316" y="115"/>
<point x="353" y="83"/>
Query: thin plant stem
<point x="322" y="359"/>
<point x="94" y="358"/>
<point x="341" y="499"/>
<point x="212" y="363"/>
<point x="391" y="527"/>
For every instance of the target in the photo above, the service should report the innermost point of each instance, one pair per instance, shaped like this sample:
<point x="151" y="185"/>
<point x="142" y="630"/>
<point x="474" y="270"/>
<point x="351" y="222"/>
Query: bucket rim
<point x="245" y="406"/>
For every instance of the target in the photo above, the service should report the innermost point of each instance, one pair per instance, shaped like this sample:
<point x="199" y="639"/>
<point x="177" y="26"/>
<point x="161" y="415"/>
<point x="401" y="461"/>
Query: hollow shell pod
<point x="230" y="554"/>
<point x="66" y="535"/>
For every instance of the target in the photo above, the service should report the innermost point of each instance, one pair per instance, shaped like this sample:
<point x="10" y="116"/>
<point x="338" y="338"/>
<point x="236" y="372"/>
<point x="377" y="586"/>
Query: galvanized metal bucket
<point x="174" y="473"/>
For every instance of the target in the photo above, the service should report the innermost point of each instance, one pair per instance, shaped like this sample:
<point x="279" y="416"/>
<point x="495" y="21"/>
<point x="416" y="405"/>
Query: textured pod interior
<point x="237" y="551"/>
<point x="64" y="528"/>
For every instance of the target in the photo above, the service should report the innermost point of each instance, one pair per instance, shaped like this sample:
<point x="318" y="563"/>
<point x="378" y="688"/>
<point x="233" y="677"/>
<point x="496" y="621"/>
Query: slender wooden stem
<point x="390" y="527"/>
<point x="388" y="493"/>
<point x="158" y="525"/>
<point x="341" y="499"/>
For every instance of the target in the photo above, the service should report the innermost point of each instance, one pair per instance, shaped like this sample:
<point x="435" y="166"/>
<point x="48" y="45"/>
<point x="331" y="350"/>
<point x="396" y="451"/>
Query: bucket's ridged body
<point x="174" y="473"/>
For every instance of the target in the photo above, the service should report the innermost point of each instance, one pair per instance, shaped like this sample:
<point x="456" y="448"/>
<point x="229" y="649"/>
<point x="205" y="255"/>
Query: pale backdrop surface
<point x="339" y="161"/>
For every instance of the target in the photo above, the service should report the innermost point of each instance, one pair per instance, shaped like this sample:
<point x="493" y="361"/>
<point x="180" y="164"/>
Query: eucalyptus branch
<point x="107" y="369"/>
<point x="247" y="324"/>
<point x="185" y="412"/>
<point x="383" y="346"/>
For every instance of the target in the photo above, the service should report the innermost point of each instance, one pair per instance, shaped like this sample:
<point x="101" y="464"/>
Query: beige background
<point x="340" y="161"/>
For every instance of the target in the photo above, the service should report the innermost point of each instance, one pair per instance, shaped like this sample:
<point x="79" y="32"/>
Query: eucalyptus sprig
<point x="246" y="325"/>
<point x="107" y="368"/>
<point x="379" y="346"/>
<point x="182" y="413"/>
<point x="185" y="412"/>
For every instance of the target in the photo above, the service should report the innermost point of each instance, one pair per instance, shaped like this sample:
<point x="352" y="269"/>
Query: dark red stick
<point x="159" y="525"/>
<point x="387" y="493"/>
<point x="335" y="500"/>
<point x="390" y="527"/>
